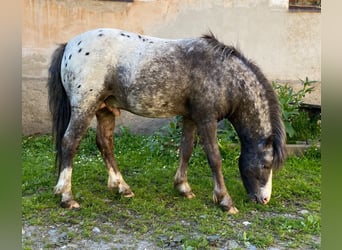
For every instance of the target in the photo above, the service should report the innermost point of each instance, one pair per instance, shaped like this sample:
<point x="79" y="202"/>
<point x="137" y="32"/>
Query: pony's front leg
<point x="104" y="140"/>
<point x="187" y="143"/>
<point x="208" y="137"/>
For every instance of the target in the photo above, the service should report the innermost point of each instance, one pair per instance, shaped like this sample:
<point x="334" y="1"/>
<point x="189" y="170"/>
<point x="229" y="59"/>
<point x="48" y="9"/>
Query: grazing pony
<point x="101" y="71"/>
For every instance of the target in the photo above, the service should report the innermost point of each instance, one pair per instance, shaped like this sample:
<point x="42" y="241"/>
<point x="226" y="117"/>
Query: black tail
<point x="58" y="102"/>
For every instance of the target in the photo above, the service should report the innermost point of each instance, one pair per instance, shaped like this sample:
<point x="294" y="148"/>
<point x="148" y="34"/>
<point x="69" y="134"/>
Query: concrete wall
<point x="286" y="45"/>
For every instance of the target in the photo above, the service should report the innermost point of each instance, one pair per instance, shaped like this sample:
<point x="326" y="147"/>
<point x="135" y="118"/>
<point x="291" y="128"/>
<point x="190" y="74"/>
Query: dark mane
<point x="223" y="50"/>
<point x="278" y="129"/>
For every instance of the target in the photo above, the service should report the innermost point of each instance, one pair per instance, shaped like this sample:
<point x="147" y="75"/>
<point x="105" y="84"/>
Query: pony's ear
<point x="267" y="150"/>
<point x="267" y="143"/>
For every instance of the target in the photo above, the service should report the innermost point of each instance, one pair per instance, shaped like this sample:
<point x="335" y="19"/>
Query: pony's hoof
<point x="130" y="195"/>
<point x="230" y="209"/>
<point x="233" y="210"/>
<point x="226" y="203"/>
<point x="185" y="190"/>
<point x="72" y="205"/>
<point x="127" y="193"/>
<point x="189" y="195"/>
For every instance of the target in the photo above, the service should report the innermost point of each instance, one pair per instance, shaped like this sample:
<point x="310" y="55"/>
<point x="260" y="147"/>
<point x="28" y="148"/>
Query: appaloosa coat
<point x="101" y="71"/>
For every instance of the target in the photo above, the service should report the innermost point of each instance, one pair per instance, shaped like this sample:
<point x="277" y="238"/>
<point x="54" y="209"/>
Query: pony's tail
<point x="59" y="103"/>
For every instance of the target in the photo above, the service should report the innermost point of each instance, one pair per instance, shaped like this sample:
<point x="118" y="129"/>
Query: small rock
<point x="304" y="211"/>
<point x="96" y="230"/>
<point x="232" y="244"/>
<point x="28" y="234"/>
<point x="252" y="247"/>
<point x="52" y="232"/>
<point x="62" y="238"/>
<point x="63" y="235"/>
<point x="178" y="238"/>
<point x="291" y="216"/>
<point x="246" y="223"/>
<point x="163" y="238"/>
<point x="213" y="238"/>
<point x="185" y="223"/>
<point x="72" y="246"/>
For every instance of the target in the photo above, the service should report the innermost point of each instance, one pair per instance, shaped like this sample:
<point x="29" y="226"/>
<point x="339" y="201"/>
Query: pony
<point x="102" y="71"/>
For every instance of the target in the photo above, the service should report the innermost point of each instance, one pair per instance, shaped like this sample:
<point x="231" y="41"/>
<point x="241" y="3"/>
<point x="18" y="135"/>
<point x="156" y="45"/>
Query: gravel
<point x="109" y="236"/>
<point x="57" y="237"/>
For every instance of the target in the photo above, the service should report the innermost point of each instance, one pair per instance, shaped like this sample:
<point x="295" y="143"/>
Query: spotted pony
<point x="102" y="71"/>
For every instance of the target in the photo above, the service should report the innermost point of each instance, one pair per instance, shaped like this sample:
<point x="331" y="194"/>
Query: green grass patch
<point x="157" y="212"/>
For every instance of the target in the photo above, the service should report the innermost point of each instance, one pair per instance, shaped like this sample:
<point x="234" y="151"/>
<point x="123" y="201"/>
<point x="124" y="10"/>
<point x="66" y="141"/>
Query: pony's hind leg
<point x="69" y="144"/>
<point x="104" y="141"/>
<point x="187" y="143"/>
<point x="207" y="132"/>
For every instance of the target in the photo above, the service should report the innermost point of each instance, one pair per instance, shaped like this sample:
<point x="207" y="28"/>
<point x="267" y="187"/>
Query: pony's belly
<point x="147" y="107"/>
<point x="157" y="105"/>
<point x="153" y="112"/>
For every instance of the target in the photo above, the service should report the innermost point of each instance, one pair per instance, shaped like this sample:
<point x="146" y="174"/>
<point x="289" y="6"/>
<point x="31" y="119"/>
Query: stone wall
<point x="286" y="45"/>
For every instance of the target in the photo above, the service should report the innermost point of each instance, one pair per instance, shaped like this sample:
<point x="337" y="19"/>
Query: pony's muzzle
<point x="262" y="199"/>
<point x="265" y="192"/>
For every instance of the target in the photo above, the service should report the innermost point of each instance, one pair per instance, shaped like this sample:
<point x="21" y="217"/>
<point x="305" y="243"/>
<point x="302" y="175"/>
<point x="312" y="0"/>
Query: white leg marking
<point x="185" y="189"/>
<point x="182" y="185"/>
<point x="64" y="182"/>
<point x="113" y="179"/>
<point x="116" y="181"/>
<point x="266" y="191"/>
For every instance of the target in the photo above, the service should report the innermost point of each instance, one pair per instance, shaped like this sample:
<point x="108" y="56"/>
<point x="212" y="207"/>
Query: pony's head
<point x="256" y="164"/>
<point x="260" y="156"/>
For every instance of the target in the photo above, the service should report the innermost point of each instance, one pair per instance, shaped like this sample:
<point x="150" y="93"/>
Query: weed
<point x="290" y="102"/>
<point x="306" y="128"/>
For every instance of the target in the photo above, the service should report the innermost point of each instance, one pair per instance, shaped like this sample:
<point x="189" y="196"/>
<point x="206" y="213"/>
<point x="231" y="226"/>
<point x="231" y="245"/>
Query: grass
<point x="157" y="212"/>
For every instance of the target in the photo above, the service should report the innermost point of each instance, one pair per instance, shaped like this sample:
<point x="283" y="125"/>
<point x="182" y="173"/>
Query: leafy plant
<point x="166" y="138"/>
<point x="307" y="127"/>
<point x="291" y="101"/>
<point x="227" y="130"/>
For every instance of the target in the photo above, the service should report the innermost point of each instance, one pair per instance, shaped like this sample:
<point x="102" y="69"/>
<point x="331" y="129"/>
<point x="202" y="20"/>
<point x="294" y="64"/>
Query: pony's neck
<point x="256" y="118"/>
<point x="252" y="119"/>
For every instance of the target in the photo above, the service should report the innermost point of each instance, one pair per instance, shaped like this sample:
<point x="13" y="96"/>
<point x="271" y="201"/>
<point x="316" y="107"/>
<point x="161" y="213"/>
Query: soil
<point x="68" y="237"/>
